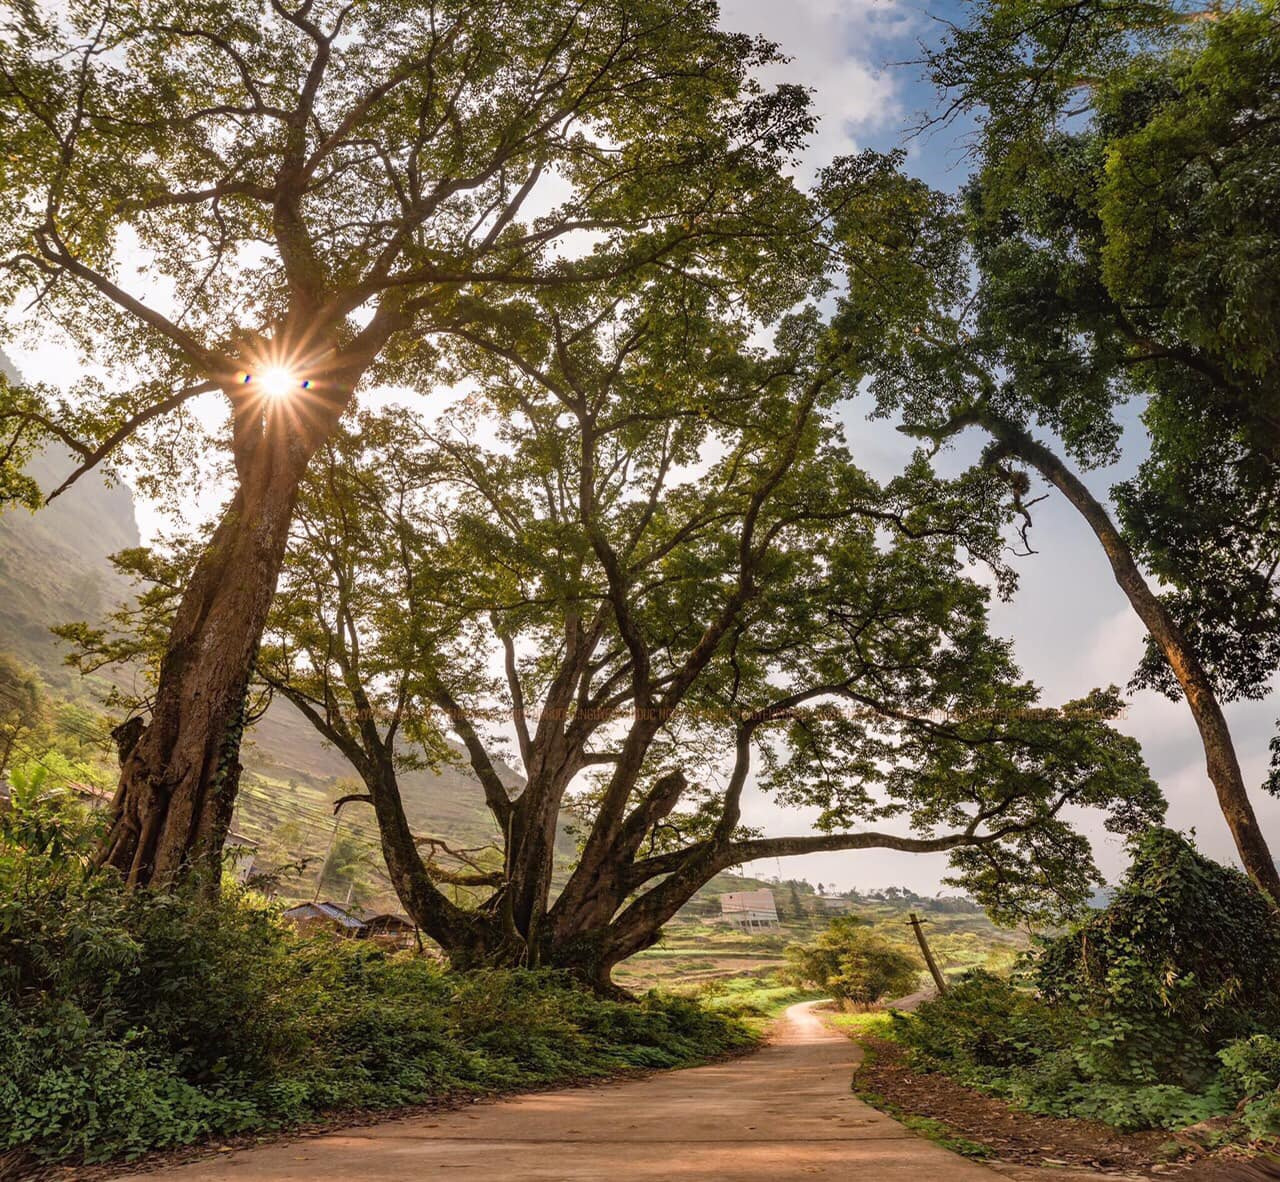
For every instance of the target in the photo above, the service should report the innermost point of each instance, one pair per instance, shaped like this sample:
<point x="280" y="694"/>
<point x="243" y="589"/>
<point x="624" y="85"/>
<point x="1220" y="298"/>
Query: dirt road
<point x="784" y="1114"/>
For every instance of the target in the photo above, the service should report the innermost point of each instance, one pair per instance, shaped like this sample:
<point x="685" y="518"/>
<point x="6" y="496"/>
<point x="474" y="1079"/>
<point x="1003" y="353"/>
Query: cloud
<point x="837" y="51"/>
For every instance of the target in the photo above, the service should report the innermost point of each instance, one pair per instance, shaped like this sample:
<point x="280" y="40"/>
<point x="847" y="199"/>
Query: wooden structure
<point x="325" y="917"/>
<point x="391" y="929"/>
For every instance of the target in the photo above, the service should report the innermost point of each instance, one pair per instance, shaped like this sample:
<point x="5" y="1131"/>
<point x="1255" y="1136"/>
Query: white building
<point x="749" y="910"/>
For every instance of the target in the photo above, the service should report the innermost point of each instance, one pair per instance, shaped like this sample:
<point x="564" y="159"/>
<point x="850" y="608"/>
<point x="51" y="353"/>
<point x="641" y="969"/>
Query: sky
<point x="1071" y="626"/>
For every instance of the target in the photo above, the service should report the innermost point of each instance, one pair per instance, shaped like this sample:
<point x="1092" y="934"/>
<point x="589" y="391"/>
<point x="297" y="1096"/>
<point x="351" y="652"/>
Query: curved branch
<point x="92" y="457"/>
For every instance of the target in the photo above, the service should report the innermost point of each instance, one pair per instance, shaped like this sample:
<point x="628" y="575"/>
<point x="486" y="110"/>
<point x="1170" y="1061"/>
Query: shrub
<point x="1184" y="938"/>
<point x="853" y="964"/>
<point x="981" y="1028"/>
<point x="1154" y="1013"/>
<point x="1251" y="1074"/>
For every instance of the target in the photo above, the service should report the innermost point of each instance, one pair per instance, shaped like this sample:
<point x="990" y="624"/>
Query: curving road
<point x="784" y="1114"/>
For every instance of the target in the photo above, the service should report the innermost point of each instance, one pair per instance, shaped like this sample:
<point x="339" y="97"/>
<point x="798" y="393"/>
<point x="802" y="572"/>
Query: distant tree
<point x="854" y="964"/>
<point x="311" y="192"/>
<point x="22" y="710"/>
<point x="795" y="905"/>
<point x="346" y="875"/>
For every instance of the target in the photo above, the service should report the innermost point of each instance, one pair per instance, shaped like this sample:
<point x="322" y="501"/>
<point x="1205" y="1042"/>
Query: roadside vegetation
<point x="132" y="1021"/>
<point x="1158" y="1012"/>
<point x="526" y="351"/>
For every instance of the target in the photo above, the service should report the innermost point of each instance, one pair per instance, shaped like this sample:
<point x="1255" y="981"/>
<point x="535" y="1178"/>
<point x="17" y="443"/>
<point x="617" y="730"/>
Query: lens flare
<point x="277" y="382"/>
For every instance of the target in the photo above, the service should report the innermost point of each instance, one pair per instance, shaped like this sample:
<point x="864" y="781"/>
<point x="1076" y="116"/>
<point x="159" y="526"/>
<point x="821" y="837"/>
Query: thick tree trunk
<point x="1220" y="754"/>
<point x="180" y="775"/>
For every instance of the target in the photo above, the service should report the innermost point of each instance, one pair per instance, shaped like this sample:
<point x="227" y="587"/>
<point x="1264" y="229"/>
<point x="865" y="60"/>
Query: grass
<point x="873" y="1023"/>
<point x="943" y="1134"/>
<point x="751" y="1000"/>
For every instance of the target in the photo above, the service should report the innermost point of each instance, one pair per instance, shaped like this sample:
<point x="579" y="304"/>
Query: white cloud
<point x="835" y="51"/>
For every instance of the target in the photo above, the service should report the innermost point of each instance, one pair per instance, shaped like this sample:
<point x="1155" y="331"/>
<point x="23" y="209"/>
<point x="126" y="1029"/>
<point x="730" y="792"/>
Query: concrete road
<point x="784" y="1114"/>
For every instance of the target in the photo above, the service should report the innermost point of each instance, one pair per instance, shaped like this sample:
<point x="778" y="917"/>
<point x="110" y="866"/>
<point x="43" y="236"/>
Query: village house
<point x="749" y="910"/>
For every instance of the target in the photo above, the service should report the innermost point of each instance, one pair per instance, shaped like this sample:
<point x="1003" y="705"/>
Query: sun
<point x="278" y="382"/>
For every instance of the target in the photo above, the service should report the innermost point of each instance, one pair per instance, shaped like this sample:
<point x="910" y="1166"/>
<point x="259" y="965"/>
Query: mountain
<point x="53" y="564"/>
<point x="55" y="568"/>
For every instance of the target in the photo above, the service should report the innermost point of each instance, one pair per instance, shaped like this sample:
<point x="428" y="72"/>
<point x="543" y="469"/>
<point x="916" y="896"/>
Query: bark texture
<point x="180" y="772"/>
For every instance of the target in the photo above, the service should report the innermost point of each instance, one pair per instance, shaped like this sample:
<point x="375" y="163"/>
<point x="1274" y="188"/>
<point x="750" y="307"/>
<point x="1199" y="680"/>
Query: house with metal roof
<point x="326" y="916"/>
<point x="749" y="910"/>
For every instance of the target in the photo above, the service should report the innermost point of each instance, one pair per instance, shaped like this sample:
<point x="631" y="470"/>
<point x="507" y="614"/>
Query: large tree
<point x="640" y="552"/>
<point x="279" y="202"/>
<point x="1121" y="232"/>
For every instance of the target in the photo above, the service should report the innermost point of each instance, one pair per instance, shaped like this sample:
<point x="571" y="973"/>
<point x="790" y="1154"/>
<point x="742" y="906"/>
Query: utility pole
<point x="938" y="979"/>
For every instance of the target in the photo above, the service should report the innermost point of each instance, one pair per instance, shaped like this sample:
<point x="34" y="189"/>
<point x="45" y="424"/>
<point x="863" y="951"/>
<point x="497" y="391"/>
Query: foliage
<point x="138" y="1020"/>
<point x="852" y="964"/>
<point x="714" y="611"/>
<point x="1185" y="958"/>
<point x="752" y="997"/>
<point x="1251" y="1074"/>
<point x="22" y="710"/>
<point x="982" y="1027"/>
<point x="292" y="172"/>
<point x="1123" y="230"/>
<point x="1157" y="1012"/>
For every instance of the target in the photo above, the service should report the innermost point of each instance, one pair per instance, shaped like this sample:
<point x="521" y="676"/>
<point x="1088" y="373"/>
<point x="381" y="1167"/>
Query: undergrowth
<point x="132" y="1021"/>
<point x="1159" y="1012"/>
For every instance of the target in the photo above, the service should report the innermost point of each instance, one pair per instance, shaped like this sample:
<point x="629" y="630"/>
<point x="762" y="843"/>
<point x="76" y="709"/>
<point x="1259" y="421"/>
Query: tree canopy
<point x="641" y="551"/>
<point x="1101" y="255"/>
<point x="281" y="202"/>
<point x="1123" y="220"/>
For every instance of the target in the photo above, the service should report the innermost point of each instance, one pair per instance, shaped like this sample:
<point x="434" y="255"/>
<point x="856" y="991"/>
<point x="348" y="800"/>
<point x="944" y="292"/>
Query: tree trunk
<point x="468" y="938"/>
<point x="1220" y="754"/>
<point x="180" y="774"/>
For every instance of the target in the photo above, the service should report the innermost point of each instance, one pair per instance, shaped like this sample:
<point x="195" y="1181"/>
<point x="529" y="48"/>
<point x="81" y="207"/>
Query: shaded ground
<point x="785" y="1114"/>
<point x="1015" y="1137"/>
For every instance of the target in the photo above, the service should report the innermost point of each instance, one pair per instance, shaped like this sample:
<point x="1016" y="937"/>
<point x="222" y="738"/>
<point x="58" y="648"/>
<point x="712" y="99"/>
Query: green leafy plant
<point x="853" y="964"/>
<point x="138" y="1020"/>
<point x="1157" y="1012"/>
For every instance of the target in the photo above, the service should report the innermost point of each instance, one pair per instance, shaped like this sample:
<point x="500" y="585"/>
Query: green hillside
<point x="698" y="951"/>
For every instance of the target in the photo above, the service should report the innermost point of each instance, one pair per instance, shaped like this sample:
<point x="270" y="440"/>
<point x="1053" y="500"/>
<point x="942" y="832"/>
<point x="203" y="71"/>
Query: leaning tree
<point x="1053" y="333"/>
<point x="640" y="554"/>
<point x="1121" y="229"/>
<point x="275" y="203"/>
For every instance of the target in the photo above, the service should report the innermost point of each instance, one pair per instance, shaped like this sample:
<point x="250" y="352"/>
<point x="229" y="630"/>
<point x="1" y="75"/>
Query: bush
<point x="1155" y="1013"/>
<point x="1185" y="959"/>
<point x="135" y="1021"/>
<point x="981" y="1028"/>
<point x="1251" y="1075"/>
<point x="852" y="964"/>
